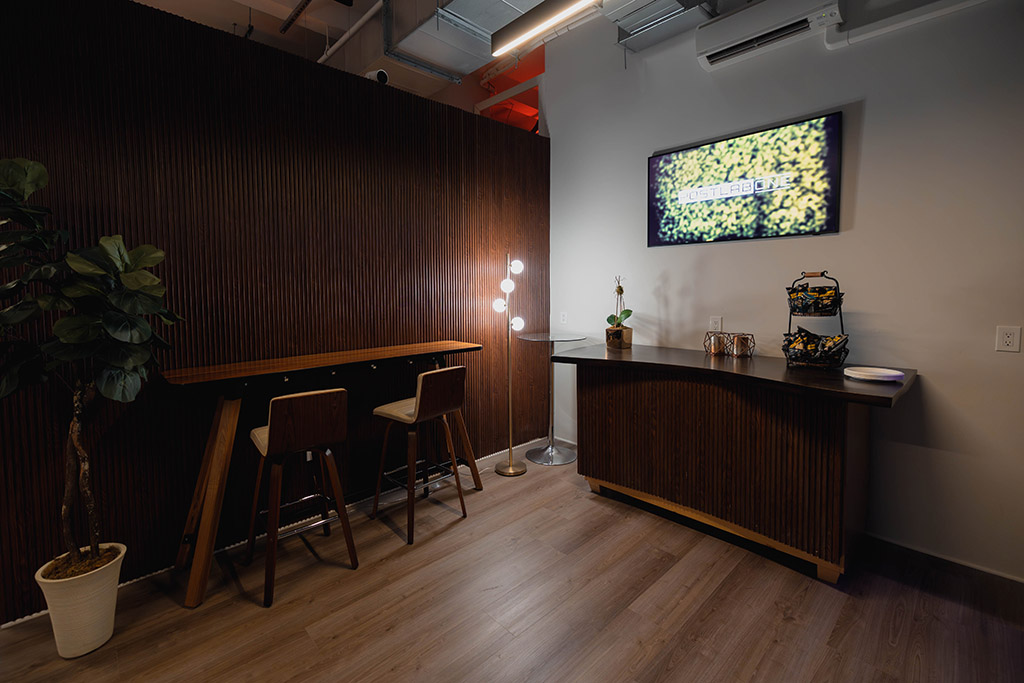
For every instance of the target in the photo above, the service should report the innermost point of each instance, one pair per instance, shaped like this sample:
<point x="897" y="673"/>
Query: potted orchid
<point x="617" y="335"/>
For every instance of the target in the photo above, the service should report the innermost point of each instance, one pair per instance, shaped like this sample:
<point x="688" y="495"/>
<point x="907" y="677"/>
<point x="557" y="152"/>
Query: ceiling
<point x="451" y="38"/>
<point x="433" y="48"/>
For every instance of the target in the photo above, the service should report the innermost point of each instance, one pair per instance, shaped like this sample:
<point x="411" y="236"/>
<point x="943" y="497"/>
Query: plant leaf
<point x="80" y="287"/>
<point x="127" y="328"/>
<point x="44" y="272"/>
<point x="36" y="176"/>
<point x="116" y="251"/>
<point x="12" y="176"/>
<point x="626" y="312"/>
<point x="54" y="302"/>
<point x="55" y="348"/>
<point x="169" y="317"/>
<point x="118" y="384"/>
<point x="9" y="381"/>
<point x="137" y="279"/>
<point x="25" y="309"/>
<point x="160" y="343"/>
<point x="11" y="289"/>
<point x="145" y="256"/>
<point x="126" y="356"/>
<point x="82" y="265"/>
<point x="28" y="216"/>
<point x="77" y="329"/>
<point x="135" y="302"/>
<point x="23" y="176"/>
<point x="23" y="365"/>
<point x="14" y="260"/>
<point x="611" y="320"/>
<point x="154" y="290"/>
<point x="15" y="236"/>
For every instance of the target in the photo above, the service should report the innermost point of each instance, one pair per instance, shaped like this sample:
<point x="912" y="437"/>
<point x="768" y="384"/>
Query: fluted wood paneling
<point x="751" y="454"/>
<point x="302" y="210"/>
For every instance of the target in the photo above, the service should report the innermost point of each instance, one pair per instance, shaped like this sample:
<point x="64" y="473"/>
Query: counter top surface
<point x="255" y="368"/>
<point x="757" y="368"/>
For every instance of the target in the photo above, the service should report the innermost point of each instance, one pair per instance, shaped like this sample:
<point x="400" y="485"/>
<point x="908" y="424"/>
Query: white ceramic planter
<point x="82" y="607"/>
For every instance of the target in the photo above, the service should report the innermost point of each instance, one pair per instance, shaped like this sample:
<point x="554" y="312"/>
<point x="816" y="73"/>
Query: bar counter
<point x="771" y="453"/>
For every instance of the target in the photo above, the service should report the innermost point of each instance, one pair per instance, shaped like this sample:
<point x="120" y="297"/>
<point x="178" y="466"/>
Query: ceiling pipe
<point x="506" y="94"/>
<point x="590" y="15"/>
<point x="387" y="21"/>
<point x="299" y="9"/>
<point x="835" y="39"/>
<point x="498" y="69"/>
<point x="370" y="13"/>
<point x="521" y="52"/>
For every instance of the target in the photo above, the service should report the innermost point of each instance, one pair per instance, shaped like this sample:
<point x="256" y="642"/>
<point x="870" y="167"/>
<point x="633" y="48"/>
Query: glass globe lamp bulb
<point x="518" y="323"/>
<point x="516" y="266"/>
<point x="507" y="285"/>
<point x="499" y="305"/>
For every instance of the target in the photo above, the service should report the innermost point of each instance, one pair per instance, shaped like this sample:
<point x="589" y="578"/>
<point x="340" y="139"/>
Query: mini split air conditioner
<point x="751" y="30"/>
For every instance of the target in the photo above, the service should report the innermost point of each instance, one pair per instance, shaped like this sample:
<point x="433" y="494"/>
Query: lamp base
<point x="513" y="469"/>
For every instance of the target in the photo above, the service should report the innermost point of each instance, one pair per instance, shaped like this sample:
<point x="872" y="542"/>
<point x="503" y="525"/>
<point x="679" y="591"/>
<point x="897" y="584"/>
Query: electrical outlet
<point x="563" y="318"/>
<point x="1008" y="338"/>
<point x="716" y="323"/>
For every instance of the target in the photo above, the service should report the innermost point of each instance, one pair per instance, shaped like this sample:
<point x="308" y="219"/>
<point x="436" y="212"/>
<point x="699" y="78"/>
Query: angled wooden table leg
<point x="188" y="537"/>
<point x="218" y="455"/>
<point x="470" y="458"/>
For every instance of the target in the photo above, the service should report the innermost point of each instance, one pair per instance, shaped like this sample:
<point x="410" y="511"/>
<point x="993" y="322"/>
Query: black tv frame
<point x="833" y="170"/>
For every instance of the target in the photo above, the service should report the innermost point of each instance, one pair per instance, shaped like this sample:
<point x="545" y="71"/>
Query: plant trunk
<point x="84" y="396"/>
<point x="70" y="478"/>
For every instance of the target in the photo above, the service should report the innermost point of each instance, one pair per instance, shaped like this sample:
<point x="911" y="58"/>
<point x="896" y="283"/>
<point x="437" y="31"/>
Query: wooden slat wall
<point x="764" y="459"/>
<point x="302" y="210"/>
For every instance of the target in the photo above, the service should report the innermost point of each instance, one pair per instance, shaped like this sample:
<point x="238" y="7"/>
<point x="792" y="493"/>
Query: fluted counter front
<point x="774" y="454"/>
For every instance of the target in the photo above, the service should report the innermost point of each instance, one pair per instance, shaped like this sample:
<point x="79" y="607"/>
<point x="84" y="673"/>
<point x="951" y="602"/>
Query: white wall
<point x="930" y="249"/>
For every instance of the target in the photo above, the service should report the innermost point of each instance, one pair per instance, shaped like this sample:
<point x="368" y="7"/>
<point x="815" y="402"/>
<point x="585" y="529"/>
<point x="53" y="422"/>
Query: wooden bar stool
<point x="310" y="421"/>
<point x="438" y="393"/>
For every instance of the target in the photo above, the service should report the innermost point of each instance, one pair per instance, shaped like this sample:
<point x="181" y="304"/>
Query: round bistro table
<point x="551" y="454"/>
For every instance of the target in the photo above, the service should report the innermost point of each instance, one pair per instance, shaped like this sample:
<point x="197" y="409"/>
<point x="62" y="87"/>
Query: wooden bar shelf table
<point x="200" y="531"/>
<point x="771" y="453"/>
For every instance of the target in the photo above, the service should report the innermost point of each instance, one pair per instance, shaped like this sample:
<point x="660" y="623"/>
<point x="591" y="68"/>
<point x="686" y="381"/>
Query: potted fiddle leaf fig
<point x="617" y="335"/>
<point x="81" y="318"/>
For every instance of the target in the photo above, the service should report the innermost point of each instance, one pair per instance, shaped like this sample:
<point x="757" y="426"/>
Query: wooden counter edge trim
<point x="827" y="571"/>
<point x="269" y="366"/>
<point x="849" y="397"/>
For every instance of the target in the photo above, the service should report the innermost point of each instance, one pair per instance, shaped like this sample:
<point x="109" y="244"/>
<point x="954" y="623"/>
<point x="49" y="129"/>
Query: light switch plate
<point x="715" y="325"/>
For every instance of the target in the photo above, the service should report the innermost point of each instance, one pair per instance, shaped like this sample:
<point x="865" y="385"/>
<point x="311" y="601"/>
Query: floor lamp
<point x="503" y="305"/>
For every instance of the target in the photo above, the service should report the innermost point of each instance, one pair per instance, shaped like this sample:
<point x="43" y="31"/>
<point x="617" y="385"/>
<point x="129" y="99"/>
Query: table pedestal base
<point x="551" y="455"/>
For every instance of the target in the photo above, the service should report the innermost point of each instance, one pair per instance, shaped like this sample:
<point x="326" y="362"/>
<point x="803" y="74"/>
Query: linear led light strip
<point x="544" y="26"/>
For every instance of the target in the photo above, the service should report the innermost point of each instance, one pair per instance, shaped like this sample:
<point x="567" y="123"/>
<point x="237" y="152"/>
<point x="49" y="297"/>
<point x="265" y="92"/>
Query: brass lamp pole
<point x="512" y="468"/>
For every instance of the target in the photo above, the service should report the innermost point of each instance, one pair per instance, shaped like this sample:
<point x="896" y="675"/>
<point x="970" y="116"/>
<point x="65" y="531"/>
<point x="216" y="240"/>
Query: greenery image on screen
<point x="778" y="182"/>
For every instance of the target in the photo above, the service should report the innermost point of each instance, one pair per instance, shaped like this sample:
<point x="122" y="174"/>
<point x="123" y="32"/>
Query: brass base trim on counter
<point x="826" y="571"/>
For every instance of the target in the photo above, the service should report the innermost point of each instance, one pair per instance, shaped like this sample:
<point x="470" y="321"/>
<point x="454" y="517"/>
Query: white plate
<point x="874" y="374"/>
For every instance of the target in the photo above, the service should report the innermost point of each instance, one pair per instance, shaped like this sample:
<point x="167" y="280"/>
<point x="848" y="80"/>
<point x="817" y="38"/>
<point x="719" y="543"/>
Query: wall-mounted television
<point x="777" y="182"/>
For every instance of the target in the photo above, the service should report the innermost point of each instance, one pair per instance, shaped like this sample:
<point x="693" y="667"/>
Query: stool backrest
<point x="302" y="422"/>
<point x="439" y="392"/>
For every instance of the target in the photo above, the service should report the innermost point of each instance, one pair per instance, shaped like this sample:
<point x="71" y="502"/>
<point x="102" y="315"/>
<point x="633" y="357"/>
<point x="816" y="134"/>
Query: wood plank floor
<point x="546" y="581"/>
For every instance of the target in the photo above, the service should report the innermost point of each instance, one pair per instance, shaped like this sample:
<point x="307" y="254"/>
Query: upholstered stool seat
<point x="403" y="411"/>
<point x="299" y="423"/>
<point x="438" y="393"/>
